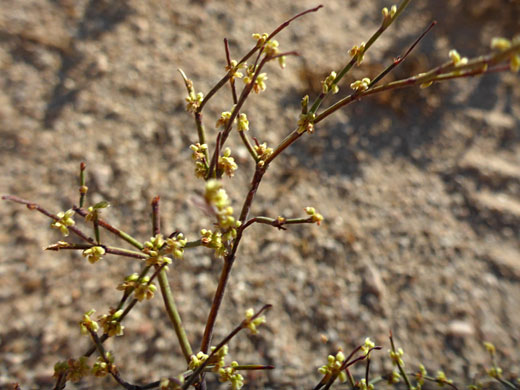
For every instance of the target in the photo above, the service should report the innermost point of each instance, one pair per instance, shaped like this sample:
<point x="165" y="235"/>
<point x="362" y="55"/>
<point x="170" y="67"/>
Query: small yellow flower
<point x="500" y="43"/>
<point x="88" y="324"/>
<point x="358" y="52"/>
<point x="361" y="85"/>
<point x="111" y="324"/>
<point x="235" y="69"/>
<point x="260" y="38"/>
<point x="197" y="360"/>
<point x="243" y="122"/>
<point x="176" y="245"/>
<point x="227" y="163"/>
<point x="328" y="84"/>
<point x="252" y="325"/>
<point x="64" y="220"/>
<point x="94" y="254"/>
<point x="457" y="59"/>
<point x="315" y="217"/>
<point x="193" y="101"/>
<point x="223" y="120"/>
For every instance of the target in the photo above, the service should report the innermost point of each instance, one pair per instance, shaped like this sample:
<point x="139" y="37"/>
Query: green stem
<point x="174" y="316"/>
<point x="443" y="72"/>
<point x="401" y="369"/>
<point x="353" y="61"/>
<point x="82" y="188"/>
<point x="105" y="225"/>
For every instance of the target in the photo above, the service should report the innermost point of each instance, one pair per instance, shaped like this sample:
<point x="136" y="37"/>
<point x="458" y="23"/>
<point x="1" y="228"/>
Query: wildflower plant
<point x="213" y="159"/>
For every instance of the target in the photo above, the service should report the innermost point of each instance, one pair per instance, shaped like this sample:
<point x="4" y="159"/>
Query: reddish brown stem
<point x="229" y="260"/>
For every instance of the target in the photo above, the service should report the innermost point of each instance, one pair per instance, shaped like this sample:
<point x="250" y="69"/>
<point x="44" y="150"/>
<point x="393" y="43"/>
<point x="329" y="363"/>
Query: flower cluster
<point x="360" y="85"/>
<point x="223" y="120"/>
<point x="199" y="156"/>
<point x="388" y="15"/>
<point x="502" y="44"/>
<point x="176" y="246"/>
<point x="193" y="101"/>
<point x="252" y="324"/>
<point x="93" y="211"/>
<point x="197" y="360"/>
<point x="243" y="122"/>
<point x="230" y="374"/>
<point x="457" y="59"/>
<point x="316" y="218"/>
<point x="94" y="254"/>
<point x="218" y="359"/>
<point x="328" y="85"/>
<point x="394" y="378"/>
<point x="306" y="123"/>
<point x="153" y="249"/>
<point x="77" y="369"/>
<point x="101" y="368"/>
<point x="260" y="38"/>
<point x="420" y="376"/>
<point x="64" y="221"/>
<point x="397" y="357"/>
<point x="217" y="197"/>
<point x="358" y="52"/>
<point x="333" y="367"/>
<point x="367" y="347"/>
<point x="263" y="152"/>
<point x="142" y="287"/>
<point x="441" y="379"/>
<point x="259" y="84"/>
<point x="234" y="69"/>
<point x="111" y="323"/>
<point x="213" y="240"/>
<point x="362" y="385"/>
<point x="87" y="324"/>
<point x="227" y="163"/>
<point x="74" y="369"/>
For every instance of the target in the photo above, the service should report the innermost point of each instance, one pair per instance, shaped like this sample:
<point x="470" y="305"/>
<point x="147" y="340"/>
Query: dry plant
<point x="213" y="160"/>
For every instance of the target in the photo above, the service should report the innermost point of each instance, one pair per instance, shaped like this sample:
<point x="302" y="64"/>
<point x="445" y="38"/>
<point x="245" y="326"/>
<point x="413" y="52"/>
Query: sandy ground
<point x="419" y="188"/>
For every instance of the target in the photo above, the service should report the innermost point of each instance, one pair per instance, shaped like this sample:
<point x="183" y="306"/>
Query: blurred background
<point x="419" y="187"/>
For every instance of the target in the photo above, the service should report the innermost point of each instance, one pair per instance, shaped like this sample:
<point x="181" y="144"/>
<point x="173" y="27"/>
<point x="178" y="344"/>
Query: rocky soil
<point x="419" y="188"/>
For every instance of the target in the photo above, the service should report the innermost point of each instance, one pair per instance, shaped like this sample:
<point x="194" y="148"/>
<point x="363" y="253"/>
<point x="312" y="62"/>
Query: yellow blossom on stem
<point x="358" y="52"/>
<point x="388" y="15"/>
<point x="153" y="249"/>
<point x="111" y="324"/>
<point x="251" y="324"/>
<point x="227" y="163"/>
<point x="94" y="254"/>
<point x="243" y="122"/>
<point x="197" y="360"/>
<point x="229" y="374"/>
<point x="64" y="220"/>
<point x="315" y="217"/>
<point x="271" y="48"/>
<point x="328" y="85"/>
<point x="88" y="324"/>
<point x="260" y="38"/>
<point x="333" y="367"/>
<point x="234" y="69"/>
<point x="193" y="101"/>
<point x="457" y="59"/>
<point x="223" y="120"/>
<point x="360" y="85"/>
<point x="500" y="43"/>
<point x="176" y="245"/>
